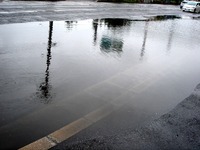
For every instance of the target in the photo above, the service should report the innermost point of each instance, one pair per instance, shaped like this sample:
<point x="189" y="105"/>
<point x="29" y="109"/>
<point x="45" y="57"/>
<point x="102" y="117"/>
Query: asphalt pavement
<point x="29" y="11"/>
<point x="177" y="129"/>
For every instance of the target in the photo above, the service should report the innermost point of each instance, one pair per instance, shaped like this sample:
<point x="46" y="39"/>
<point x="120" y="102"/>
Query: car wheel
<point x="195" y="10"/>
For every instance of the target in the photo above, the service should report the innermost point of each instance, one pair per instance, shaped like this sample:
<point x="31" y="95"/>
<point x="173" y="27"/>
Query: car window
<point x="192" y="3"/>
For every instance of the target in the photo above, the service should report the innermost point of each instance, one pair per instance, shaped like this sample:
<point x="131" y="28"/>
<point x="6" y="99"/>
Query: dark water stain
<point x="164" y="17"/>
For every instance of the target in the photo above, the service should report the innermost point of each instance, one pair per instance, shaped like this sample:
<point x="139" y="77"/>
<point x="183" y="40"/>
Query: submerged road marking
<point x="71" y="129"/>
<point x="75" y="127"/>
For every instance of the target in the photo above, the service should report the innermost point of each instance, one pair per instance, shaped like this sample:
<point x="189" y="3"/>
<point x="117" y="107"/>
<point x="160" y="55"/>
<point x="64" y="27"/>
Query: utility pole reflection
<point x="171" y="34"/>
<point x="95" y="27"/>
<point x="144" y="41"/>
<point x="44" y="86"/>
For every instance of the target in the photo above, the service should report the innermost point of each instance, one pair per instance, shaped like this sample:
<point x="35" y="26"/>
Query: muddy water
<point x="45" y="64"/>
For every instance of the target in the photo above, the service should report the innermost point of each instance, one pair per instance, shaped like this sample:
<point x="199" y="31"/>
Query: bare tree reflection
<point x="144" y="40"/>
<point x="45" y="86"/>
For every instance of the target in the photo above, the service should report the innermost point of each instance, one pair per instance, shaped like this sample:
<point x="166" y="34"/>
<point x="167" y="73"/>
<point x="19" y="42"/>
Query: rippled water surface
<point x="45" y="64"/>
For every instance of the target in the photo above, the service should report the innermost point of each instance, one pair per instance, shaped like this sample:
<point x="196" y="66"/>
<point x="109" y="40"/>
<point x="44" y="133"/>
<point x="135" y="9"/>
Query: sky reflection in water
<point x="51" y="61"/>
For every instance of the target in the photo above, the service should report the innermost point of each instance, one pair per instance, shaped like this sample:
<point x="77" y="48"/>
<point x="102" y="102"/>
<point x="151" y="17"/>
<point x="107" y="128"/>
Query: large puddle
<point x="45" y="64"/>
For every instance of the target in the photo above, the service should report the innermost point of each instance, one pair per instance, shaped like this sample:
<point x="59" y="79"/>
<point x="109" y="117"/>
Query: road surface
<point x="16" y="12"/>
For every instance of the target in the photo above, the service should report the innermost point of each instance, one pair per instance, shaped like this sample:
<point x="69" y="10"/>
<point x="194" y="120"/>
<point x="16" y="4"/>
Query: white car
<point x="192" y="6"/>
<point x="183" y="3"/>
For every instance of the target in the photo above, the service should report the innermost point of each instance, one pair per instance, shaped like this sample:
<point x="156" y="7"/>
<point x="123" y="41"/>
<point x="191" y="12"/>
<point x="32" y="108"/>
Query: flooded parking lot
<point x="53" y="73"/>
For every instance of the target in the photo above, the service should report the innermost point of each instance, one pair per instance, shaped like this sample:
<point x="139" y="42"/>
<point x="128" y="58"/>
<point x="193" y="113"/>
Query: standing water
<point x="53" y="73"/>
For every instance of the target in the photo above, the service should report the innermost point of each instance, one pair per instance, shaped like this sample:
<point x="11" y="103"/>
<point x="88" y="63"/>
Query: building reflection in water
<point x="112" y="38"/>
<point x="44" y="88"/>
<point x="109" y="44"/>
<point x="112" y="41"/>
<point x="144" y="40"/>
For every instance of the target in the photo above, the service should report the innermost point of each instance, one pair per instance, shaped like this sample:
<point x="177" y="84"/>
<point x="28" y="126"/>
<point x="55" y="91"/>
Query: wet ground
<point x="21" y="11"/>
<point x="177" y="129"/>
<point x="55" y="72"/>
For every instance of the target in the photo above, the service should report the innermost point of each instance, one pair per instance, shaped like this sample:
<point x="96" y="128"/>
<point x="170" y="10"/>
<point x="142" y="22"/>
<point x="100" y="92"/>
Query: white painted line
<point x="14" y="12"/>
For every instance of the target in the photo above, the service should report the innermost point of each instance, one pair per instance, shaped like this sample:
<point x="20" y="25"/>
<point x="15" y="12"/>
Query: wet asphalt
<point x="20" y="11"/>
<point x="177" y="129"/>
